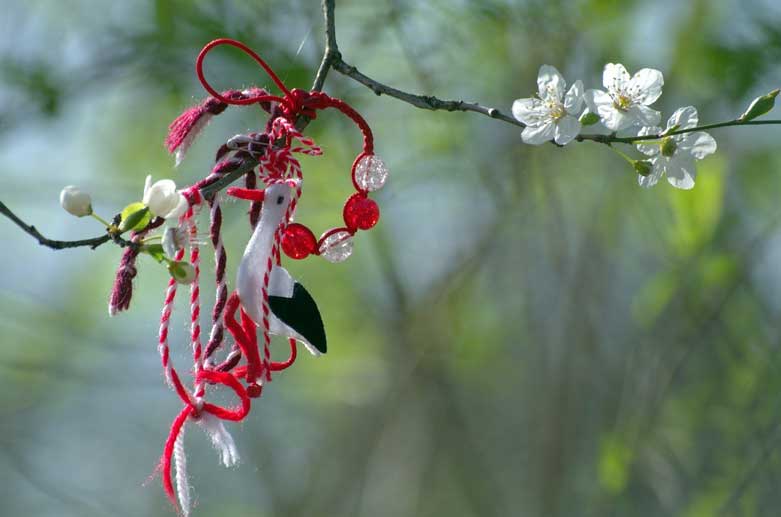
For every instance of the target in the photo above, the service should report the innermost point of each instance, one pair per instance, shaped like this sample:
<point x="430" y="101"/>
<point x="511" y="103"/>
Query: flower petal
<point x="536" y="135"/>
<point x="601" y="103"/>
<point x="567" y="128"/>
<point x="649" y="149"/>
<point x="699" y="144"/>
<point x="646" y="86"/>
<point x="161" y="197"/>
<point x="179" y="208"/>
<point x="550" y="83"/>
<point x="147" y="184"/>
<point x="681" y="171"/>
<point x="614" y="119"/>
<point x="573" y="101"/>
<point x="614" y="77"/>
<point x="653" y="178"/>
<point x="685" y="118"/>
<point x="595" y="97"/>
<point x="530" y="111"/>
<point x="645" y="115"/>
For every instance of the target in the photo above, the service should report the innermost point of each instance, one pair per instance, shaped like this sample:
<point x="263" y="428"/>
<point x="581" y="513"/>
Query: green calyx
<point x="669" y="146"/>
<point x="642" y="167"/>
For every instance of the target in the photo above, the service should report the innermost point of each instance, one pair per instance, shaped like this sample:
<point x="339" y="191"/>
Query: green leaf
<point x="134" y="216"/>
<point x="697" y="212"/>
<point x="615" y="458"/>
<point x="155" y="251"/>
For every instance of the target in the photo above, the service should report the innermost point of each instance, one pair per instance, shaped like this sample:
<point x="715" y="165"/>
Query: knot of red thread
<point x="193" y="408"/>
<point x="193" y="196"/>
<point x="301" y="103"/>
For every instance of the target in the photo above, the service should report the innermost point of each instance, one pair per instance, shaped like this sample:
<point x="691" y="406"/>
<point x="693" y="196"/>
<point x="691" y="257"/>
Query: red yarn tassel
<point x="185" y="128"/>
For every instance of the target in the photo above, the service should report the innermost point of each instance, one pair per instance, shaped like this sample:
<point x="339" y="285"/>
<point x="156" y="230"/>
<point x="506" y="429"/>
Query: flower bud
<point x="182" y="272"/>
<point x="642" y="167"/>
<point x="759" y="106"/>
<point x="75" y="202"/>
<point x="163" y="200"/>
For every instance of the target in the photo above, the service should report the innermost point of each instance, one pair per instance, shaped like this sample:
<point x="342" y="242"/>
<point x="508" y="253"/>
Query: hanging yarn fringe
<point x="266" y="299"/>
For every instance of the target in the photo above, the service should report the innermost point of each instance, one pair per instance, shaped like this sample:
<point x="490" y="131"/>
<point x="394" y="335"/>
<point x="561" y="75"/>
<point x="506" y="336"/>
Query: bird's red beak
<point x="247" y="194"/>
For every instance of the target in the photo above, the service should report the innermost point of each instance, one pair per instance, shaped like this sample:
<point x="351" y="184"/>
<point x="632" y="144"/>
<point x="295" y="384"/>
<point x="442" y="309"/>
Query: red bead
<point x="298" y="242"/>
<point x="360" y="212"/>
<point x="254" y="390"/>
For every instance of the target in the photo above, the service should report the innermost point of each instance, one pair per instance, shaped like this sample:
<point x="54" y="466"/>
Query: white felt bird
<point x="294" y="313"/>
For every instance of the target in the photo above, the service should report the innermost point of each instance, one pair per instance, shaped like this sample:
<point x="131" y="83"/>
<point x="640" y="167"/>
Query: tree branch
<point x="331" y="52"/>
<point x="333" y="58"/>
<point x="426" y="102"/>
<point x="54" y="244"/>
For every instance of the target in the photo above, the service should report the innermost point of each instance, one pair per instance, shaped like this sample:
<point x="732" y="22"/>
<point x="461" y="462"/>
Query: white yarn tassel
<point x="180" y="464"/>
<point x="221" y="439"/>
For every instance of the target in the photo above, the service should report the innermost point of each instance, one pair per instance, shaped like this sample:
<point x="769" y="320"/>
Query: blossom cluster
<point x="160" y="199"/>
<point x="624" y="105"/>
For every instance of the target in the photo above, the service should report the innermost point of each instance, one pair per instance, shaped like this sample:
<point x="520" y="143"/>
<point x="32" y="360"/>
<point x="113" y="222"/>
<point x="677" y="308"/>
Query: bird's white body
<point x="254" y="263"/>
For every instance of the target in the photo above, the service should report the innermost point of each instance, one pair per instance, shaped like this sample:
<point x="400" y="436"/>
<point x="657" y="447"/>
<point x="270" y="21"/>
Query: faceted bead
<point x="370" y="173"/>
<point x="360" y="212"/>
<point x="336" y="247"/>
<point x="298" y="241"/>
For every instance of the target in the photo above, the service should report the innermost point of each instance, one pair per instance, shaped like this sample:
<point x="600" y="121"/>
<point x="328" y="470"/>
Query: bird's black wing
<point x="300" y="313"/>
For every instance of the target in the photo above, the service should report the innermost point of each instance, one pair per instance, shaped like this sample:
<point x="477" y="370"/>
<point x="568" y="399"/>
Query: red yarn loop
<point x="239" y="102"/>
<point x="294" y="103"/>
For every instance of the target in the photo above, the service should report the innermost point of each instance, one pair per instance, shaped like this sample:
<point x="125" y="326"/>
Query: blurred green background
<point x="526" y="332"/>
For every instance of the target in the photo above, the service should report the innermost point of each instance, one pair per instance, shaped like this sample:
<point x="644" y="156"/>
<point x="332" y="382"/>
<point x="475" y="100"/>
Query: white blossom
<point x="675" y="155"/>
<point x="75" y="202"/>
<point x="554" y="114"/>
<point x="163" y="200"/>
<point x="626" y="101"/>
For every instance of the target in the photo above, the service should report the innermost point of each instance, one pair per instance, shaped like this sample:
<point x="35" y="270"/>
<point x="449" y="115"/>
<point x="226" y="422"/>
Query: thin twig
<point x="54" y="244"/>
<point x="427" y="102"/>
<point x="331" y="52"/>
<point x="333" y="58"/>
<point x="604" y="139"/>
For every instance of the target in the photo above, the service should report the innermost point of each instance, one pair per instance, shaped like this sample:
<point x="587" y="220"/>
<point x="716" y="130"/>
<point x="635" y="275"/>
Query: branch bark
<point x="55" y="244"/>
<point x="333" y="58"/>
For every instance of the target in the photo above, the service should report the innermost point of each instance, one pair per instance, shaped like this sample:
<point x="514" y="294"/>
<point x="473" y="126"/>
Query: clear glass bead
<point x="337" y="247"/>
<point x="371" y="173"/>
